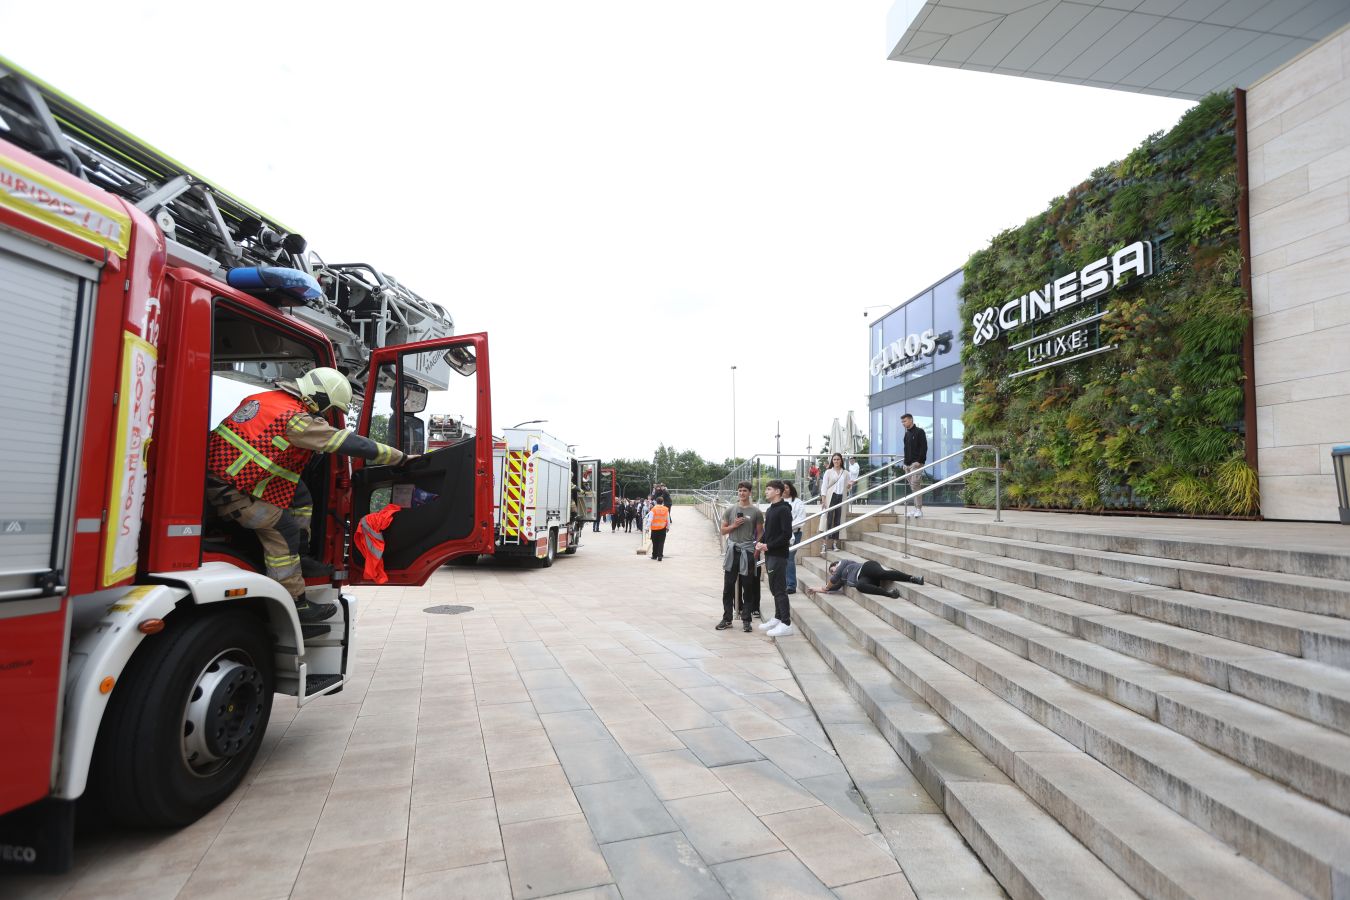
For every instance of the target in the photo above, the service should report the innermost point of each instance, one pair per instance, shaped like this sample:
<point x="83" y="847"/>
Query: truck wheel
<point x="552" y="549"/>
<point x="185" y="720"/>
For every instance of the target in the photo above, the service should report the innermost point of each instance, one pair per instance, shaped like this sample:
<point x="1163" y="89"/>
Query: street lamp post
<point x="778" y="449"/>
<point x="733" y="415"/>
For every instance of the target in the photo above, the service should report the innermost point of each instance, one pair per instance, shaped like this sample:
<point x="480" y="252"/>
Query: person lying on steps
<point x="866" y="577"/>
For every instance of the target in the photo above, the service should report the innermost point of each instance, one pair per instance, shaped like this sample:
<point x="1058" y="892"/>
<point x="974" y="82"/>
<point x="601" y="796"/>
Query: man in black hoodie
<point x="774" y="545"/>
<point x="916" y="455"/>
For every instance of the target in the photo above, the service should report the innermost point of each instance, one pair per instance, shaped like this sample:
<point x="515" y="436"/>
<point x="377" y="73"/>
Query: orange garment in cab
<point x="369" y="539"/>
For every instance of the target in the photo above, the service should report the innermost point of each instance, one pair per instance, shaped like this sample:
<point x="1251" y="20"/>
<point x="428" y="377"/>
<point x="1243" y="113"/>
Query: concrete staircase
<point x="1105" y="713"/>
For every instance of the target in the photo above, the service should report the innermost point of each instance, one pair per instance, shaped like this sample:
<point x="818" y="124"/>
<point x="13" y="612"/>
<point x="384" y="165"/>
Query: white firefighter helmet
<point x="323" y="388"/>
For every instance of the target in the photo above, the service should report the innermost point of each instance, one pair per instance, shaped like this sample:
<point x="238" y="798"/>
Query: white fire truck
<point x="543" y="495"/>
<point x="141" y="642"/>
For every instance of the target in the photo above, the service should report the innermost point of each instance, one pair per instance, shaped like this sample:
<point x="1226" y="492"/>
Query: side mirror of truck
<point x="461" y="359"/>
<point x="414" y="398"/>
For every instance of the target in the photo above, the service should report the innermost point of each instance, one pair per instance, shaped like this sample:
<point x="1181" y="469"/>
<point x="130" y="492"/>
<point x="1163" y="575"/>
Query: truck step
<point x="317" y="684"/>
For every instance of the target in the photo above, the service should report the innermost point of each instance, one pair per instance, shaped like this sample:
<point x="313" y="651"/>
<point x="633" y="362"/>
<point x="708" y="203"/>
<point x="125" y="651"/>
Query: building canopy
<point x="1172" y="48"/>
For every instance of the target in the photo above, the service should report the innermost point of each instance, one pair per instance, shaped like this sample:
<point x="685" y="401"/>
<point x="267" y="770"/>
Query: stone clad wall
<point x="1298" y="127"/>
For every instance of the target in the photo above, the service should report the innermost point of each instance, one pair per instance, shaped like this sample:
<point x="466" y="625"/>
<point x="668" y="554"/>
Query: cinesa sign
<point x="1095" y="279"/>
<point x="913" y="352"/>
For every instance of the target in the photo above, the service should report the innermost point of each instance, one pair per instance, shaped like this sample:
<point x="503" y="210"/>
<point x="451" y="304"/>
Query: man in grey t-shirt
<point x="741" y="523"/>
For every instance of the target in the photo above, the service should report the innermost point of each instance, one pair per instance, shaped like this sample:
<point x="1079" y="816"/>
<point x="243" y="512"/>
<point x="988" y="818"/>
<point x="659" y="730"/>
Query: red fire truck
<point x="141" y="643"/>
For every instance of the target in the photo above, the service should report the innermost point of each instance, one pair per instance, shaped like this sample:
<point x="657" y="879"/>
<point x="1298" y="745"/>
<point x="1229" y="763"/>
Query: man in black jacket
<point x="916" y="456"/>
<point x="774" y="545"/>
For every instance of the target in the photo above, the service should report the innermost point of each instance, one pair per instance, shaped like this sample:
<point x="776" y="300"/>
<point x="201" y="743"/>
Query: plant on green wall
<point x="1157" y="423"/>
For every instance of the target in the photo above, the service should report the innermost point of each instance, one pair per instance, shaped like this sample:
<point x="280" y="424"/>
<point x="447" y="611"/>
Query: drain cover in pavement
<point x="446" y="609"/>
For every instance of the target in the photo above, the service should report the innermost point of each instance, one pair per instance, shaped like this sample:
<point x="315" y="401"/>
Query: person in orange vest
<point x="255" y="458"/>
<point x="658" y="523"/>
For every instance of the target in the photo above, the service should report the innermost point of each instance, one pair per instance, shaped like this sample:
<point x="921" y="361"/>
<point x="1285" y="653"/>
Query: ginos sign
<point x="899" y="357"/>
<point x="1096" y="278"/>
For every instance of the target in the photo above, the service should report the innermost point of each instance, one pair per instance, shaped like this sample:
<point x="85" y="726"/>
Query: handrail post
<point x="998" y="486"/>
<point x="905" y="507"/>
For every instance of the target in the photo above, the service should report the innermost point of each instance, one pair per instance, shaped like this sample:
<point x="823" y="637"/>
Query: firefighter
<point x="255" y="458"/>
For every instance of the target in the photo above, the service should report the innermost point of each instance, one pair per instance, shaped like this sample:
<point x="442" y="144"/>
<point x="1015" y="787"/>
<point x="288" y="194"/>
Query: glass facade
<point x="906" y="376"/>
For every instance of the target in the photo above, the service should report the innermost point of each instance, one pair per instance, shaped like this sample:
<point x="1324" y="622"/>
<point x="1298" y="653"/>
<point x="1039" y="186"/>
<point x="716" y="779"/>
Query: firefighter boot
<point x="310" y="612"/>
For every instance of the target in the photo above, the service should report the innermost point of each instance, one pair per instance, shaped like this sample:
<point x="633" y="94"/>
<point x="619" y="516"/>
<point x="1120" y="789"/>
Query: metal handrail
<point x="998" y="463"/>
<point x="818" y="497"/>
<point x="714" y="499"/>
<point x="749" y="466"/>
<point x="998" y="508"/>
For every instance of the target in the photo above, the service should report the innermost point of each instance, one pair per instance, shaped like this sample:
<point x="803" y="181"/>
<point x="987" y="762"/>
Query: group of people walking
<point x="628" y="513"/>
<point x="651" y="515"/>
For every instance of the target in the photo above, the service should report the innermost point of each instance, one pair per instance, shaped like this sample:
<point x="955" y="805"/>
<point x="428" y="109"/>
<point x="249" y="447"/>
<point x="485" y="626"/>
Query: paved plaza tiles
<point x="583" y="732"/>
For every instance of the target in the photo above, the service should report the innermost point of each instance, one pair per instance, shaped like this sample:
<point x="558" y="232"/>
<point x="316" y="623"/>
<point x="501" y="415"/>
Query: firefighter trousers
<point x="283" y="533"/>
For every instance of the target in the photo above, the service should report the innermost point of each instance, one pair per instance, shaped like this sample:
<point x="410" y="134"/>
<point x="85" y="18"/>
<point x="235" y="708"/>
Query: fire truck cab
<point x="141" y="642"/>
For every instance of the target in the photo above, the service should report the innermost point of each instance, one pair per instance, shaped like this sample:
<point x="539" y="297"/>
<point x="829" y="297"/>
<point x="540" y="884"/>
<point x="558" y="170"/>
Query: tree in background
<point x="677" y="469"/>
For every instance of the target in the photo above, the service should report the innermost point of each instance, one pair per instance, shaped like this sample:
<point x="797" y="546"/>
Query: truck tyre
<point x="552" y="549"/>
<point x="185" y="719"/>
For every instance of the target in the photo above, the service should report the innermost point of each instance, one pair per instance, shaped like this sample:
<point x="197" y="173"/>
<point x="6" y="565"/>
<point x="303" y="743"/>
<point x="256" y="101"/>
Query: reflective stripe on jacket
<point x="250" y="450"/>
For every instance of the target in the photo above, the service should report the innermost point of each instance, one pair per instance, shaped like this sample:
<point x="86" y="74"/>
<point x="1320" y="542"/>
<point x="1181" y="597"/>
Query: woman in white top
<point x="833" y="487"/>
<point x="798" y="507"/>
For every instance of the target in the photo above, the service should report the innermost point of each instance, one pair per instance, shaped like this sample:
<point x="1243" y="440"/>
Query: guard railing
<point x="998" y="465"/>
<point x="997" y="469"/>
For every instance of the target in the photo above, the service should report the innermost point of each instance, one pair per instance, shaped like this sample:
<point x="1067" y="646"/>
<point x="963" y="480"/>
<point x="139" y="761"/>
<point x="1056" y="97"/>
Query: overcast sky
<point x="630" y="197"/>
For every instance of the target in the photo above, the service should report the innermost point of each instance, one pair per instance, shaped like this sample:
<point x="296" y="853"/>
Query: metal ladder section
<point x="211" y="230"/>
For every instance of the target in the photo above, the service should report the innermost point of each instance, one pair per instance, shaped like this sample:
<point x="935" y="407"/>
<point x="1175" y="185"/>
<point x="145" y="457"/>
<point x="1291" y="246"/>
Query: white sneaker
<point x="918" y="512"/>
<point x="772" y="623"/>
<point x="781" y="630"/>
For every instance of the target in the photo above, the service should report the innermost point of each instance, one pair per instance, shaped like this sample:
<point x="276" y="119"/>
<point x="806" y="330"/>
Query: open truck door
<point x="608" y="491"/>
<point x="444" y="496"/>
<point x="589" y="486"/>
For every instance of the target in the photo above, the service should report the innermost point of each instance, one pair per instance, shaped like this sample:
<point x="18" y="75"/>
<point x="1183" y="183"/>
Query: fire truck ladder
<point x="211" y="230"/>
<point x="513" y="495"/>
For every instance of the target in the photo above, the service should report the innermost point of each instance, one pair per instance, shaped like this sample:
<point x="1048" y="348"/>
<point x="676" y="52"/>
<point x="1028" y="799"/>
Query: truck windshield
<point x="248" y="357"/>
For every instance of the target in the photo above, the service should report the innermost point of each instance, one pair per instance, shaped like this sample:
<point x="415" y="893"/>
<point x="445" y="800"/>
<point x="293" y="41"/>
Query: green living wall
<point x="1157" y="423"/>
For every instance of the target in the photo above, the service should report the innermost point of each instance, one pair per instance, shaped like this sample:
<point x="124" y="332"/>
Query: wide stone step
<point x="1312" y="636"/>
<point x="1073" y="602"/>
<point x="1304" y="593"/>
<point x="1153" y="849"/>
<point x="1246" y="545"/>
<point x="909" y="818"/>
<point x="1029" y="853"/>
<point x="1301" y="841"/>
<point x="1307" y="757"/>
